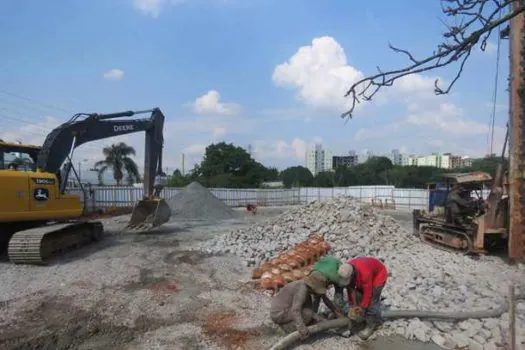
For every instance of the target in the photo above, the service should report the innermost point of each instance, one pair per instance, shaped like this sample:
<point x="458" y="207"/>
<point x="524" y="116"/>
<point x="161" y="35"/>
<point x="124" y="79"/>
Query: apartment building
<point x="449" y="161"/>
<point x="319" y="159"/>
<point x="466" y="162"/>
<point x="430" y="160"/>
<point x="396" y="157"/>
<point x="344" y="161"/>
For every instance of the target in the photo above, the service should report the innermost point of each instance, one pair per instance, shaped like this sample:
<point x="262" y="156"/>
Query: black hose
<point x="393" y="314"/>
<point x="450" y="315"/>
<point x="294" y="337"/>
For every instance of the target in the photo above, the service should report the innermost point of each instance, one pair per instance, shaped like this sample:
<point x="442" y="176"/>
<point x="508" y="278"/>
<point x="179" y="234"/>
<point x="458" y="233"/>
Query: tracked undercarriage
<point x="38" y="244"/>
<point x="436" y="232"/>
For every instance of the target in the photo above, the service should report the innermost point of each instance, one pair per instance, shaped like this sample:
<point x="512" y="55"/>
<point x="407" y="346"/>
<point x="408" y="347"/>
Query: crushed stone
<point x="195" y="202"/>
<point x="420" y="276"/>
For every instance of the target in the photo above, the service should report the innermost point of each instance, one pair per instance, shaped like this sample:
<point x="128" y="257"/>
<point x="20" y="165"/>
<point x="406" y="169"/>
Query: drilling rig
<point x="500" y="218"/>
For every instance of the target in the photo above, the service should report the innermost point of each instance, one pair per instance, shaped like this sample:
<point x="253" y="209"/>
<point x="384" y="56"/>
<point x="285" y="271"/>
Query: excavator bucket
<point x="149" y="213"/>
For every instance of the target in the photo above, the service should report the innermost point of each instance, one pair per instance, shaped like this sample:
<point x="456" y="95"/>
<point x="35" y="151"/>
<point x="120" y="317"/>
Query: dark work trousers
<point x="375" y="303"/>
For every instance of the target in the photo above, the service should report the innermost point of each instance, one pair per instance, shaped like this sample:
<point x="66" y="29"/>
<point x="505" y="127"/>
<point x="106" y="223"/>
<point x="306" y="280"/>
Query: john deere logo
<point x="41" y="194"/>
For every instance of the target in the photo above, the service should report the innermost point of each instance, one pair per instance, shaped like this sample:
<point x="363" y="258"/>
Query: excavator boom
<point x="151" y="211"/>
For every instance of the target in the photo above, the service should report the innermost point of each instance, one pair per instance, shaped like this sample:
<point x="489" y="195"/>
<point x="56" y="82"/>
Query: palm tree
<point x="119" y="160"/>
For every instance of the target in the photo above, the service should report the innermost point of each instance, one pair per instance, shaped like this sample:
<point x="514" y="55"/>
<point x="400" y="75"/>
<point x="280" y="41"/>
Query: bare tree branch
<point x="477" y="19"/>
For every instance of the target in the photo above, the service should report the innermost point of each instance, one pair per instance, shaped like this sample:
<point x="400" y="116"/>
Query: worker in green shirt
<point x="328" y="266"/>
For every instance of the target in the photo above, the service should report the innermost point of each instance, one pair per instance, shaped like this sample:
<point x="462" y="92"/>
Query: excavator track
<point x="36" y="246"/>
<point x="445" y="238"/>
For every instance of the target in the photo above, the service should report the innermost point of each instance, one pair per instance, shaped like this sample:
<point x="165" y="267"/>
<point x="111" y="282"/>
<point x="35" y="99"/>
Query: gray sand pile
<point x="196" y="202"/>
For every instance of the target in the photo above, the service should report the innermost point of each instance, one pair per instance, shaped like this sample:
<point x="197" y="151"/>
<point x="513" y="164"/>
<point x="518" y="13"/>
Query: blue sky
<point x="66" y="56"/>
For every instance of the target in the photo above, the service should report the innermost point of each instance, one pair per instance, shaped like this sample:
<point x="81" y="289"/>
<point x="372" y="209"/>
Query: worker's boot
<point x="371" y="325"/>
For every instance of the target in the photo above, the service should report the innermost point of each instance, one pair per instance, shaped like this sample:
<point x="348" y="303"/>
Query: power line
<point x="495" y="96"/>
<point x="38" y="103"/>
<point x="2" y="116"/>
<point x="43" y="104"/>
<point x="45" y="129"/>
<point x="22" y="106"/>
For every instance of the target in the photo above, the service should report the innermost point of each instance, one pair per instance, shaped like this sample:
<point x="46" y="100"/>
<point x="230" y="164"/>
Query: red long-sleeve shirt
<point x="369" y="273"/>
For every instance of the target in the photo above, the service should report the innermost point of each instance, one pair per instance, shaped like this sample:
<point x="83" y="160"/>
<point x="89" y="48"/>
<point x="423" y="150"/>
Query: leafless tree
<point x="475" y="22"/>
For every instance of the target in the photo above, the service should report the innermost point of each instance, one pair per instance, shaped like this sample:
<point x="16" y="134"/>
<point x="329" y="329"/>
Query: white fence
<point x="404" y="199"/>
<point x="400" y="198"/>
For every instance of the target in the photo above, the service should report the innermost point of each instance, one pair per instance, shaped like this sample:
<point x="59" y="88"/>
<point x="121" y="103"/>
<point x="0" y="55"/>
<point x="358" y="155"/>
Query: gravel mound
<point x="421" y="277"/>
<point x="343" y="222"/>
<point x="196" y="202"/>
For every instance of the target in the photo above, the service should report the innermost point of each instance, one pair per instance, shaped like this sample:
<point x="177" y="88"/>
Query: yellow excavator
<point x="38" y="219"/>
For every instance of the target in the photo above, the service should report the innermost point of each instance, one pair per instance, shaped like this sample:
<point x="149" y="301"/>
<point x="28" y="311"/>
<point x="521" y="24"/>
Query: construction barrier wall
<point x="385" y="197"/>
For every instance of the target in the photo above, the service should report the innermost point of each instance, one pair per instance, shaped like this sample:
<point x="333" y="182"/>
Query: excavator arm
<point x="62" y="141"/>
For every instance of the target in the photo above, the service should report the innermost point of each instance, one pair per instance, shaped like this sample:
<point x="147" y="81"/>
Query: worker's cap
<point x="345" y="274"/>
<point x="317" y="282"/>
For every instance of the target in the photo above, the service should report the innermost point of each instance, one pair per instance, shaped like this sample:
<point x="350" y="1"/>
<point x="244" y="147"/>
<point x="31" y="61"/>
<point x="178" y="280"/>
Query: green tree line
<point x="229" y="166"/>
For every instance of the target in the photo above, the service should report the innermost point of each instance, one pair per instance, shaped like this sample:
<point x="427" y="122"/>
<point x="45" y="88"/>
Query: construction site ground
<point x="147" y="291"/>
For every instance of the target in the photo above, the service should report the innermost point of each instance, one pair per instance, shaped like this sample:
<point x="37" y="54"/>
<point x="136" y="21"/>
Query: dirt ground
<point x="141" y="291"/>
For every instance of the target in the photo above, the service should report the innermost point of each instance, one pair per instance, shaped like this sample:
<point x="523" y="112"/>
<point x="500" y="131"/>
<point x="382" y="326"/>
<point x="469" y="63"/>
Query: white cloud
<point x="448" y="118"/>
<point x="113" y="74"/>
<point x="415" y="83"/>
<point x="320" y="72"/>
<point x="210" y="104"/>
<point x="197" y="149"/>
<point x="490" y="48"/>
<point x="274" y="152"/>
<point x="154" y="7"/>
<point x="441" y="127"/>
<point x="321" y="75"/>
<point x="219" y="131"/>
<point x="33" y="134"/>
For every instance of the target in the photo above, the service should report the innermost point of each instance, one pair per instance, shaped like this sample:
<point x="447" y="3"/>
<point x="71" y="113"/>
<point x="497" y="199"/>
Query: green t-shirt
<point x="328" y="265"/>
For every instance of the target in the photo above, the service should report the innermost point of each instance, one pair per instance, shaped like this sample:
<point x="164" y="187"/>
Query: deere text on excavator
<point x="38" y="218"/>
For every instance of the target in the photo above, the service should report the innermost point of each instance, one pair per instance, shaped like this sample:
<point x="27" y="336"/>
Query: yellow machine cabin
<point x="30" y="195"/>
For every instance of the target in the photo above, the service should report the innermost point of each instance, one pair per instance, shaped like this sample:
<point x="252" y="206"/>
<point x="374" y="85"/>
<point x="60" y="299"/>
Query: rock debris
<point x="420" y="277"/>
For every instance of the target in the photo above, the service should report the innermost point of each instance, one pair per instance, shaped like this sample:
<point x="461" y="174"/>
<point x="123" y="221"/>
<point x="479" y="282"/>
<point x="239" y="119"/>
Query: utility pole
<point x="80" y="170"/>
<point x="182" y="164"/>
<point x="516" y="245"/>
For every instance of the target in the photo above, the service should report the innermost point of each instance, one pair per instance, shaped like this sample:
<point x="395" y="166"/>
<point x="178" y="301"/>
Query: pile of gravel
<point x="343" y="222"/>
<point x="195" y="202"/>
<point x="421" y="277"/>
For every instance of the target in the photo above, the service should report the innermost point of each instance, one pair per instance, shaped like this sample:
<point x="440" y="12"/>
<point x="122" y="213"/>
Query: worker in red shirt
<point x="366" y="278"/>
